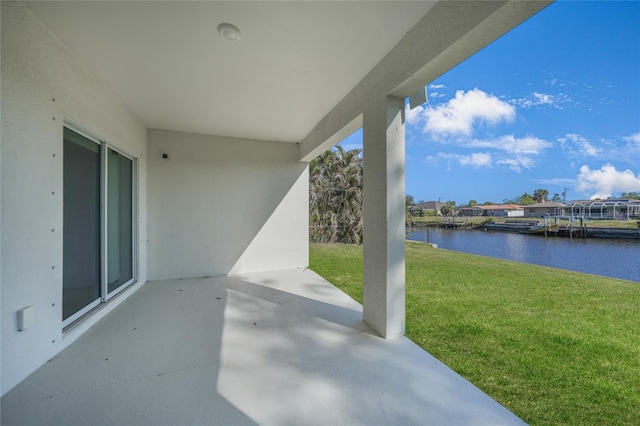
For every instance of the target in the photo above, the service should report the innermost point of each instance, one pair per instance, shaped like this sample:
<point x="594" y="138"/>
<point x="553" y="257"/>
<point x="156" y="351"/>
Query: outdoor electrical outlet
<point x="26" y="316"/>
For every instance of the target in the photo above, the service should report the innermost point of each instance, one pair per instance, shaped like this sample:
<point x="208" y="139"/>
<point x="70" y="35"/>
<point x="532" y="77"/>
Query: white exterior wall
<point x="537" y="211"/>
<point x="42" y="83"/>
<point x="221" y="205"/>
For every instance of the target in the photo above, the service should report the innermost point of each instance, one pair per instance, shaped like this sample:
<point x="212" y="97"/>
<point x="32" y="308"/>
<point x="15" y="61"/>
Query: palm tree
<point x="447" y="209"/>
<point x="335" y="196"/>
<point x="540" y="195"/>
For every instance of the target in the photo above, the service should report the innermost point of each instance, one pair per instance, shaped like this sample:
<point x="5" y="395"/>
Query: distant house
<point x="547" y="208"/>
<point x="427" y="208"/>
<point x="613" y="208"/>
<point x="503" y="210"/>
<point x="470" y="211"/>
<point x="494" y="210"/>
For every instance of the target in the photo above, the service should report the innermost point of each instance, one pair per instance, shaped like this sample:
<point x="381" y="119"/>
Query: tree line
<point x="335" y="197"/>
<point x="538" y="196"/>
<point x="526" y="199"/>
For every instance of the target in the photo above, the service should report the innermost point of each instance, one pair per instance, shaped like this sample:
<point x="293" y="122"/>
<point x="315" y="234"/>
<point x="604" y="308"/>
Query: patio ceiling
<point x="293" y="63"/>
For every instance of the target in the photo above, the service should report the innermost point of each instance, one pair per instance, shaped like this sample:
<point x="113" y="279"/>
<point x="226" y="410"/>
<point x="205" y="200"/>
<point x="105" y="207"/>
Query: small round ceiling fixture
<point x="229" y="32"/>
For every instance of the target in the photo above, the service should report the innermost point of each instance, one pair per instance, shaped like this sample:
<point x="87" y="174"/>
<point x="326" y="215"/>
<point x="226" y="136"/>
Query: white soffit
<point x="292" y="64"/>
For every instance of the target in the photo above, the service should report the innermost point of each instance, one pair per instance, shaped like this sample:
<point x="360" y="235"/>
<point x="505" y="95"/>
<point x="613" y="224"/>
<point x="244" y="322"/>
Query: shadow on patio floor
<point x="282" y="347"/>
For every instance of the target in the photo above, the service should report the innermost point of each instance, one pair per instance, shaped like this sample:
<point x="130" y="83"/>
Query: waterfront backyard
<point x="553" y="346"/>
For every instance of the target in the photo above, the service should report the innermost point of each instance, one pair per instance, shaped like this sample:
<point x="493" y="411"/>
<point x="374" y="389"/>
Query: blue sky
<point x="554" y="103"/>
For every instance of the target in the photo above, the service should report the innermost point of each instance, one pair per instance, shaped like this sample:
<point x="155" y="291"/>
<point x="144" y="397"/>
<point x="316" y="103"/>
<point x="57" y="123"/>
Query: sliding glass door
<point x="119" y="220"/>
<point x="98" y="253"/>
<point x="81" y="265"/>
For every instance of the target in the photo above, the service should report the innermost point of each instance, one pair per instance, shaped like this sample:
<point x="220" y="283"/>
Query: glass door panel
<point x="81" y="234"/>
<point x="119" y="220"/>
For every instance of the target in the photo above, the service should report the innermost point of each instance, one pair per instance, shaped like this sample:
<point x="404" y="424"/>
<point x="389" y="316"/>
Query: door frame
<point x="105" y="295"/>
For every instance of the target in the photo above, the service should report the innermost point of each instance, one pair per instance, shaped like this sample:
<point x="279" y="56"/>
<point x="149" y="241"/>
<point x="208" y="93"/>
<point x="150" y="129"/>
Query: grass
<point x="553" y="346"/>
<point x="626" y="224"/>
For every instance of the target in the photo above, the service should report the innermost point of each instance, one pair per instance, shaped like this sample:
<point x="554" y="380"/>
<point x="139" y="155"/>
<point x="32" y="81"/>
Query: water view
<point x="614" y="258"/>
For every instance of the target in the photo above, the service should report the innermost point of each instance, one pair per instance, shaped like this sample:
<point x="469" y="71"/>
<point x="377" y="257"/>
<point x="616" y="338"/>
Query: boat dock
<point x="454" y="223"/>
<point x="553" y="226"/>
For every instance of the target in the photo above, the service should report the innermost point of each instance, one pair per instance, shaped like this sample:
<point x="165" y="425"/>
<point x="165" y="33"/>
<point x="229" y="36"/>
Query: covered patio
<point x="283" y="347"/>
<point x="134" y="135"/>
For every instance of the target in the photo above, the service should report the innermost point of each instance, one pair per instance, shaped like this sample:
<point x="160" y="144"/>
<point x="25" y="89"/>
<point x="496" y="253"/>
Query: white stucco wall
<point x="42" y="84"/>
<point x="224" y="206"/>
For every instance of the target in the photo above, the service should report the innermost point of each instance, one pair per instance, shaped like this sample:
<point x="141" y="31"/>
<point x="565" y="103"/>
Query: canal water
<point x="616" y="258"/>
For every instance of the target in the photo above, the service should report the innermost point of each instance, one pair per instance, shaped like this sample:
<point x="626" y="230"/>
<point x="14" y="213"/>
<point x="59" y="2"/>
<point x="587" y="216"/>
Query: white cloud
<point x="578" y="146"/>
<point x="633" y="139"/>
<point x="442" y="155"/>
<point x="412" y="116"/>
<point x="434" y="159"/>
<point x="459" y="114"/>
<point x="513" y="145"/>
<point x="604" y="182"/>
<point x="543" y="99"/>
<point x="537" y="99"/>
<point x="518" y="163"/>
<point x="437" y="86"/>
<point x="447" y="155"/>
<point x="627" y="152"/>
<point x="482" y="159"/>
<point x="632" y="150"/>
<point x="476" y="159"/>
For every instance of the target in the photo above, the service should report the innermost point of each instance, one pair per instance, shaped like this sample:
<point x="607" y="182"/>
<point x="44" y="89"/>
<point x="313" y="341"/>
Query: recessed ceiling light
<point x="229" y="32"/>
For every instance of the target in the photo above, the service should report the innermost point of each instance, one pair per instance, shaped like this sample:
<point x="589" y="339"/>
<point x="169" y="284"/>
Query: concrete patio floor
<point x="274" y="348"/>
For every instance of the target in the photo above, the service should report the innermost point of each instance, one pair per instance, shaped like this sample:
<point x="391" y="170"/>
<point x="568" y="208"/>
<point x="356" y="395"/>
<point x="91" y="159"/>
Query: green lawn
<point x="553" y="346"/>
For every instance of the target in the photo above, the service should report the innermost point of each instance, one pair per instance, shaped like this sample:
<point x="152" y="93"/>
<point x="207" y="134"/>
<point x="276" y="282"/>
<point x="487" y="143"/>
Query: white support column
<point x="384" y="217"/>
